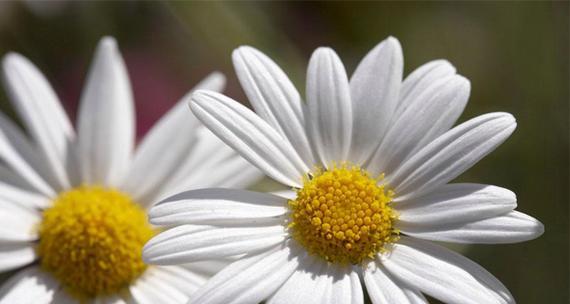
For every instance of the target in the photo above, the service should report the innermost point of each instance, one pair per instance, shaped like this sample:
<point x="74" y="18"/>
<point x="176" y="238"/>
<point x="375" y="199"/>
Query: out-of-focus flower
<point x="369" y="161"/>
<point x="76" y="203"/>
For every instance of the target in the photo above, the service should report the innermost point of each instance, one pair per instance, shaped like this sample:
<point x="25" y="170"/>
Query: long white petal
<point x="18" y="223"/>
<point x="249" y="280"/>
<point x="374" y="88"/>
<point x="10" y="156"/>
<point x="288" y="194"/>
<point x="30" y="160"/>
<point x="218" y="207"/>
<point x="179" y="277"/>
<point x="450" y="154"/>
<point x="306" y="284"/>
<point x="329" y="107"/>
<point x="273" y="97"/>
<point x="150" y="288"/>
<point x="420" y="79"/>
<point x="443" y="274"/>
<point x="106" y="121"/>
<point x="15" y="189"/>
<point x="251" y="136"/>
<point x="166" y="146"/>
<point x="208" y="268"/>
<point x="231" y="172"/>
<point x="456" y="203"/>
<point x="186" y="243"/>
<point x="431" y="114"/>
<point x="16" y="255"/>
<point x="202" y="167"/>
<point x="44" y="118"/>
<point x="513" y="227"/>
<point x="345" y="287"/>
<point x="384" y="288"/>
<point x="29" y="286"/>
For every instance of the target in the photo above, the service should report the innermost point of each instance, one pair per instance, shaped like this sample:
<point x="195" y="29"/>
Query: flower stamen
<point x="91" y="241"/>
<point x="343" y="215"/>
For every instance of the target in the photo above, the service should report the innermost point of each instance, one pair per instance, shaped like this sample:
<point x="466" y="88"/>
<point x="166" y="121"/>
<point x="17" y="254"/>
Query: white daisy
<point x="369" y="161"/>
<point x="73" y="208"/>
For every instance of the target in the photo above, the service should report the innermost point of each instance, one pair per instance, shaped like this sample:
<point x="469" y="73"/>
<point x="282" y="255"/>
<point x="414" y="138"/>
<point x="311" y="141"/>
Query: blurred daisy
<point x="74" y="207"/>
<point x="369" y="161"/>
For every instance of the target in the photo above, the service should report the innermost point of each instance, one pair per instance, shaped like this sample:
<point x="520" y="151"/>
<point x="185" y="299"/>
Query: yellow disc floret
<point x="343" y="215"/>
<point x="91" y="240"/>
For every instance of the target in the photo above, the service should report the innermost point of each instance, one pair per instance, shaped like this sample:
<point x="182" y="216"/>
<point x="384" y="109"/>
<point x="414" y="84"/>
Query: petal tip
<point x="538" y="229"/>
<point x="108" y="42"/>
<point x="10" y="57"/>
<point x="324" y="51"/>
<point x="13" y="60"/>
<point x="393" y="41"/>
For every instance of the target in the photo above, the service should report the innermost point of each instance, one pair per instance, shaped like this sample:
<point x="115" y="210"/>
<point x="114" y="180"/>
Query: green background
<point x="515" y="54"/>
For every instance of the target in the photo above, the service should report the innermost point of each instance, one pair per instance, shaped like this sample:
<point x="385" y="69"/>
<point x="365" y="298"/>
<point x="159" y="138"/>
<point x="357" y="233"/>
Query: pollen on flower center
<point x="91" y="240"/>
<point x="343" y="215"/>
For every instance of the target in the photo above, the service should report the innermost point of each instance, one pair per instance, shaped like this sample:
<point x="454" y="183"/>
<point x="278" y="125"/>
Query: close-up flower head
<point x="369" y="160"/>
<point x="74" y="203"/>
<point x="284" y="152"/>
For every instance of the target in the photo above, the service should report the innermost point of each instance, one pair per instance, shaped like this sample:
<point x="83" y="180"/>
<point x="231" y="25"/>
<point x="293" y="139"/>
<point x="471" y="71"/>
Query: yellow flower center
<point x="343" y="215"/>
<point x="91" y="240"/>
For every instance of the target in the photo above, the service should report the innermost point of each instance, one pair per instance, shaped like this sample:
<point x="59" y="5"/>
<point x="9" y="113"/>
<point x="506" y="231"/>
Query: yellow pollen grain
<point x="91" y="241"/>
<point x="343" y="215"/>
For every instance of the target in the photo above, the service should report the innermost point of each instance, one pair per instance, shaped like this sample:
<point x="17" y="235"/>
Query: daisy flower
<point x="73" y="207"/>
<point x="369" y="161"/>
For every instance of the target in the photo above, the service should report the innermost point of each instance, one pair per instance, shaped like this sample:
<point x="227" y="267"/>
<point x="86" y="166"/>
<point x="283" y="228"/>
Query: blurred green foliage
<point x="516" y="55"/>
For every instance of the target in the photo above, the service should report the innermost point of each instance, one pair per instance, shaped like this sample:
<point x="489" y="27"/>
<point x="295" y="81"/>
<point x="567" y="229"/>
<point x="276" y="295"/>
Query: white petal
<point x="15" y="255"/>
<point x="249" y="280"/>
<point x="374" y="88"/>
<point x="179" y="278"/>
<point x="329" y="107"/>
<point x="273" y="97"/>
<point x="346" y="287"/>
<point x="186" y="243"/>
<point x="106" y="122"/>
<point x="357" y="293"/>
<point x="251" y="136"/>
<point x="383" y="288"/>
<point x="513" y="227"/>
<point x="431" y="114"/>
<point x="232" y="172"/>
<point x="38" y="106"/>
<point x="288" y="194"/>
<point x="324" y="289"/>
<point x="219" y="207"/>
<point x="15" y="189"/>
<point x="450" y="154"/>
<point x="29" y="160"/>
<point x="18" y="223"/>
<point x="306" y="285"/>
<point x="16" y="155"/>
<point x="166" y="146"/>
<point x="150" y="288"/>
<point x="29" y="286"/>
<point x="420" y="79"/>
<point x="209" y="267"/>
<point x="200" y="169"/>
<point x="456" y="203"/>
<point x="443" y="274"/>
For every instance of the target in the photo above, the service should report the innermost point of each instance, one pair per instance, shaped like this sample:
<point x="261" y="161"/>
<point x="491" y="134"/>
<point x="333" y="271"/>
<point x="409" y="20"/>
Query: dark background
<point x="515" y="54"/>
